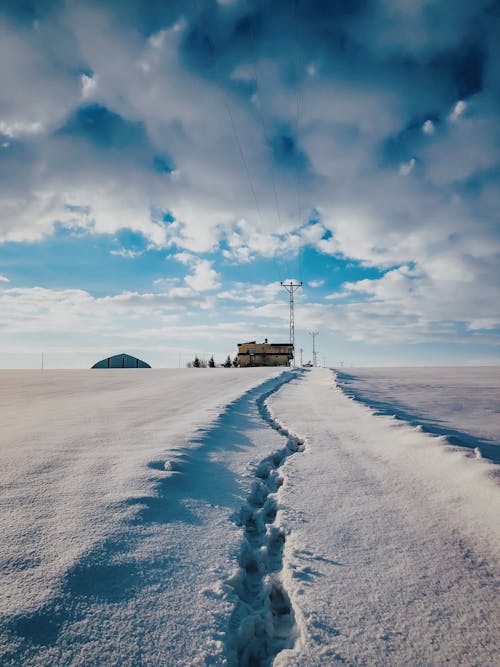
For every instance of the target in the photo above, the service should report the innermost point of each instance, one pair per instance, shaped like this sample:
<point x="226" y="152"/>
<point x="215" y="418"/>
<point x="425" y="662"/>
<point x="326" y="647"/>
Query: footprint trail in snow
<point x="263" y="622"/>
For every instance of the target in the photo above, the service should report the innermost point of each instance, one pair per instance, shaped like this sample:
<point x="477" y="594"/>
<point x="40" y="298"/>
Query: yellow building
<point x="264" y="354"/>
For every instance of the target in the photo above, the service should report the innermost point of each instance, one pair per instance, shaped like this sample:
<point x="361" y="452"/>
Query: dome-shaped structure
<point x="121" y="361"/>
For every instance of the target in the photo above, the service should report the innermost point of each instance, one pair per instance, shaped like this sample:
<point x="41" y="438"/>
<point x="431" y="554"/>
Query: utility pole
<point x="42" y="360"/>
<point x="324" y="362"/>
<point x="301" y="350"/>
<point x="291" y="288"/>
<point x="315" y="354"/>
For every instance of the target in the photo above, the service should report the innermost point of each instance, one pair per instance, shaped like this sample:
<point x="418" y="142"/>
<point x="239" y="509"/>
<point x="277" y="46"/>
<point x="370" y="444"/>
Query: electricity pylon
<point x="291" y="288"/>
<point x="315" y="354"/>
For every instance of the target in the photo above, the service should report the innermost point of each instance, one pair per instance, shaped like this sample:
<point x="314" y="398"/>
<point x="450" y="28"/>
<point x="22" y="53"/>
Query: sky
<point x="164" y="165"/>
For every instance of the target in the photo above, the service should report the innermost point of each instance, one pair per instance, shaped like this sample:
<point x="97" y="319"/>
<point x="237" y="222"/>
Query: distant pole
<point x="315" y="354"/>
<point x="179" y="359"/>
<point x="42" y="361"/>
<point x="291" y="288"/>
<point x="301" y="350"/>
<point x="324" y="362"/>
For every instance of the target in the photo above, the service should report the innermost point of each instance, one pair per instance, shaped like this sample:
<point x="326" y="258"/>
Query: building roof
<point x="121" y="361"/>
<point x="252" y="342"/>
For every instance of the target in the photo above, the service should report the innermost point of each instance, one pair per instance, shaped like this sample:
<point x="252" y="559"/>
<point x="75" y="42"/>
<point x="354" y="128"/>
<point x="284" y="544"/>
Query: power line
<point x="261" y="118"/>
<point x="240" y="147"/>
<point x="281" y="257"/>
<point x="297" y="123"/>
<point x="231" y="117"/>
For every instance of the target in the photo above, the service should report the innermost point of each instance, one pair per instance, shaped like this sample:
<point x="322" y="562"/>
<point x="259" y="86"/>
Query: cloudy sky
<point x="164" y="164"/>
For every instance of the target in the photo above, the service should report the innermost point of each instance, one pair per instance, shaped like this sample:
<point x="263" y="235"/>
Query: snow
<point x="104" y="554"/>
<point x="394" y="540"/>
<point x="461" y="403"/>
<point x="237" y="517"/>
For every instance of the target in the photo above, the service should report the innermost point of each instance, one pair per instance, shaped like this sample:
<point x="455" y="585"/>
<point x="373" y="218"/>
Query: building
<point x="264" y="354"/>
<point x="121" y="361"/>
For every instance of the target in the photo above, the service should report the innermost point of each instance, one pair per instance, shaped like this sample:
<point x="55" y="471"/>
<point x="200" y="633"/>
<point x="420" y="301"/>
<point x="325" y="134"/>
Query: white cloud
<point x="407" y="167"/>
<point x="338" y="295"/>
<point x="243" y="73"/>
<point x="316" y="283"/>
<point x="254" y="294"/>
<point x="36" y="77"/>
<point x="203" y="277"/>
<point x="66" y="312"/>
<point x="18" y="128"/>
<point x="89" y="85"/>
<point x="428" y="127"/>
<point x="4" y="279"/>
<point x="312" y="69"/>
<point x="457" y="111"/>
<point x="127" y="253"/>
<point x="410" y="304"/>
<point x="469" y="147"/>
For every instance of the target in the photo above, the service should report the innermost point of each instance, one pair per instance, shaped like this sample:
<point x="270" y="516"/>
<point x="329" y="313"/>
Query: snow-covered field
<point x="461" y="403"/>
<point x="394" y="549"/>
<point x="237" y="517"/>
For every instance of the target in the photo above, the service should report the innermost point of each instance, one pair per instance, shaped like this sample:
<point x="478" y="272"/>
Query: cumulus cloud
<point x="203" y="277"/>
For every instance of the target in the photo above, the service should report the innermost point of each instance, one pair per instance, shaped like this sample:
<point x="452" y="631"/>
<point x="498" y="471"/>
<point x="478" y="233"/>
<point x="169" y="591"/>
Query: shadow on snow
<point x="435" y="427"/>
<point x="104" y="574"/>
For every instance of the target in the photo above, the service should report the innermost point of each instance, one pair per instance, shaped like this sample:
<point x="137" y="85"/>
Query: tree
<point x="196" y="362"/>
<point x="236" y="362"/>
<point x="227" y="363"/>
<point x="211" y="362"/>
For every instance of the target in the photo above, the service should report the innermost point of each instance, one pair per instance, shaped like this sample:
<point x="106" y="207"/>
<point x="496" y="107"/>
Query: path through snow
<point x="263" y="622"/>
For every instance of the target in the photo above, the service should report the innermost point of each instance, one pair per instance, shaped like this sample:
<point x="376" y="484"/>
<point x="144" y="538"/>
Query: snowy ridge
<point x="263" y="622"/>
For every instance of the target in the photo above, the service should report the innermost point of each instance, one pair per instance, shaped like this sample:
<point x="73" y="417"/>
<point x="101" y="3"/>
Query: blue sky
<point x="164" y="165"/>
